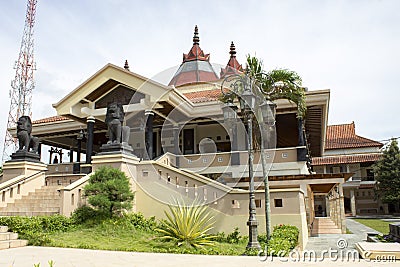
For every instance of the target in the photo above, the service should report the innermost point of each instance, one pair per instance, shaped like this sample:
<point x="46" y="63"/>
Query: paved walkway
<point x="324" y="242"/>
<point x="66" y="257"/>
<point x="27" y="256"/>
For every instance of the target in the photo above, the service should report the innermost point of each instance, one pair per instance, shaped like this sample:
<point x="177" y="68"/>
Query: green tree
<point x="109" y="191"/>
<point x="387" y="174"/>
<point x="276" y="84"/>
<point x="283" y="84"/>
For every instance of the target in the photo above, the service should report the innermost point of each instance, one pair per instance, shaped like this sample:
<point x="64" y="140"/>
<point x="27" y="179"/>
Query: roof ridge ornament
<point x="126" y="66"/>
<point x="196" y="38"/>
<point x="232" y="50"/>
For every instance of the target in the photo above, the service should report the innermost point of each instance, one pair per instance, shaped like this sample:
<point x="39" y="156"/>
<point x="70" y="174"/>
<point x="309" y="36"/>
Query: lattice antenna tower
<point x="23" y="83"/>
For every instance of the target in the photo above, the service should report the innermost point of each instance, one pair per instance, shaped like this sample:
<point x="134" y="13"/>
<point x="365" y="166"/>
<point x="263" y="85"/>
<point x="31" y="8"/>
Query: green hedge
<point x="284" y="238"/>
<point x="35" y="229"/>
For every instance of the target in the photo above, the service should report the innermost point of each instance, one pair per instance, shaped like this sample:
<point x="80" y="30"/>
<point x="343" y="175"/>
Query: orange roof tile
<point x="346" y="159"/>
<point x="50" y="119"/>
<point x="204" y="96"/>
<point x="344" y="136"/>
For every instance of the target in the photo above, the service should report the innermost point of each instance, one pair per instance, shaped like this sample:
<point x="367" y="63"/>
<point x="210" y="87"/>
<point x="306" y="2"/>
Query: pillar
<point x="71" y="155"/>
<point x="89" y="141"/>
<point x="79" y="145"/>
<point x="176" y="145"/>
<point x="301" y="151"/>
<point x="235" y="155"/>
<point x="353" y="203"/>
<point x="149" y="115"/>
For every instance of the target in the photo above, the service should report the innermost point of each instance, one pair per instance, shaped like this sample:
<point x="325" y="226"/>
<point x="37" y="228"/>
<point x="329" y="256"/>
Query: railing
<point x="222" y="159"/>
<point x="20" y="186"/>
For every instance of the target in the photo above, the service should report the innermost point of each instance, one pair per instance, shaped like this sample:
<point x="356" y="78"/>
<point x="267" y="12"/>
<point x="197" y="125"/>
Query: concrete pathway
<point x="340" y="242"/>
<point x="27" y="256"/>
<point x="66" y="257"/>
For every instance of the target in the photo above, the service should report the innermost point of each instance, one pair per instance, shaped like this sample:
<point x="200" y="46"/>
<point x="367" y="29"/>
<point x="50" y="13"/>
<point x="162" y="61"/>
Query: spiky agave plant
<point x="188" y="225"/>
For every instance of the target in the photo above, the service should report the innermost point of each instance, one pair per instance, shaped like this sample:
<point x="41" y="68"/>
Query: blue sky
<point x="350" y="47"/>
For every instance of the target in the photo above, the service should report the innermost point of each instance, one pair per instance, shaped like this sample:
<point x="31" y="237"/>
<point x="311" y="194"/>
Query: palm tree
<point x="275" y="84"/>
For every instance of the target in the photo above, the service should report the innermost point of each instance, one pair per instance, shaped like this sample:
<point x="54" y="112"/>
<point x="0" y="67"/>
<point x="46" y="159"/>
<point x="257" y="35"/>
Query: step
<point x="29" y="213"/>
<point x="13" y="243"/>
<point x="3" y="229"/>
<point x="8" y="236"/>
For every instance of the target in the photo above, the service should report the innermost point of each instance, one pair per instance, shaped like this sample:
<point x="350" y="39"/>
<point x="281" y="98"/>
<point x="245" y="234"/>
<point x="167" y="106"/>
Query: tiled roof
<point x="204" y="96"/>
<point x="233" y="66"/>
<point x="195" y="67"/>
<point x="50" y="119"/>
<point x="344" y="136"/>
<point x="346" y="159"/>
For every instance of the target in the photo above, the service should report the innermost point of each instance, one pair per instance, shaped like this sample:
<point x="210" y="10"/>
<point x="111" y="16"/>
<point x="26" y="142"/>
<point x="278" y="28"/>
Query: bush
<point x="88" y="215"/>
<point x="138" y="221"/>
<point x="284" y="238"/>
<point x="36" y="229"/>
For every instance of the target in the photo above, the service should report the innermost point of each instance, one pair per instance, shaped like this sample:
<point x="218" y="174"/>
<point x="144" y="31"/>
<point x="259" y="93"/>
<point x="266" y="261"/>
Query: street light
<point x="244" y="90"/>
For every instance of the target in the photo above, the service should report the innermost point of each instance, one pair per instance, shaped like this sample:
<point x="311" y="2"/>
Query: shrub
<point x="88" y="215"/>
<point x="188" y="225"/>
<point x="284" y="238"/>
<point x="138" y="221"/>
<point x="109" y="191"/>
<point x="36" y="229"/>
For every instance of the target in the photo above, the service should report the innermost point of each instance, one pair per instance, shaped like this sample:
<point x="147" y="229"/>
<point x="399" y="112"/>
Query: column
<point x="149" y="115"/>
<point x="89" y="141"/>
<point x="301" y="152"/>
<point x="235" y="155"/>
<point x="176" y="145"/>
<point x="71" y="155"/>
<point x="353" y="203"/>
<point x="40" y="150"/>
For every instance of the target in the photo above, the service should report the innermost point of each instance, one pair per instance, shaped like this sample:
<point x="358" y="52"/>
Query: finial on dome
<point x="126" y="66"/>
<point x="196" y="39"/>
<point x="232" y="50"/>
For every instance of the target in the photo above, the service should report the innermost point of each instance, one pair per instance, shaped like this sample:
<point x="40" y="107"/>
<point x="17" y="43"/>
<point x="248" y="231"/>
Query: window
<point x="205" y="193"/>
<point x="235" y="204"/>
<point x="218" y="137"/>
<point x="220" y="159"/>
<point x="227" y="137"/>
<point x="370" y="175"/>
<point x="19" y="189"/>
<point x="11" y="192"/>
<point x="278" y="203"/>
<point x="177" y="182"/>
<point x="258" y="203"/>
<point x="72" y="199"/>
<point x="159" y="174"/>
<point x="3" y="197"/>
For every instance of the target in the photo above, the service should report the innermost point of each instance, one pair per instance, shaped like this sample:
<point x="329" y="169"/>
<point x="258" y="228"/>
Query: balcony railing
<point x="223" y="159"/>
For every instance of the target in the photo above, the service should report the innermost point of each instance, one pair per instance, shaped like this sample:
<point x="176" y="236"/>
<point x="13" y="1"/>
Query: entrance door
<point x="188" y="141"/>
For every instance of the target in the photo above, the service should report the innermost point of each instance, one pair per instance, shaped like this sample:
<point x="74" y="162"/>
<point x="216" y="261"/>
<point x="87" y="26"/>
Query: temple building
<point x="181" y="147"/>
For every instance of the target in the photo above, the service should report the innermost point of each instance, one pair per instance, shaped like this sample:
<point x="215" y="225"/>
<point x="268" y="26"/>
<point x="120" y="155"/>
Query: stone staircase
<point x="324" y="225"/>
<point x="41" y="202"/>
<point x="10" y="240"/>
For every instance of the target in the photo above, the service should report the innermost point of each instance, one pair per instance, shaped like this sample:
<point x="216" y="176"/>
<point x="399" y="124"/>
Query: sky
<point x="350" y="47"/>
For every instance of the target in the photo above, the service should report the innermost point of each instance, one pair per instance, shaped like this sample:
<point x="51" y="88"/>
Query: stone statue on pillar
<point x="28" y="144"/>
<point x="118" y="135"/>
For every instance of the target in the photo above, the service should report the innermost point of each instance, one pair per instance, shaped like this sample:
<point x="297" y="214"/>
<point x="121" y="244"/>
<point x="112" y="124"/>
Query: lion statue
<point x="117" y="133"/>
<point x="27" y="142"/>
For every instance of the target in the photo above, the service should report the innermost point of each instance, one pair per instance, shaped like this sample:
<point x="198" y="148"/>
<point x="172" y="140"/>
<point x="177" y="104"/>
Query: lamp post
<point x="251" y="98"/>
<point x="243" y="89"/>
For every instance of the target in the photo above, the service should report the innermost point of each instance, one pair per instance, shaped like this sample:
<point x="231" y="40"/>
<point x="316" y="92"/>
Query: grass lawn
<point x="119" y="238"/>
<point x="377" y="224"/>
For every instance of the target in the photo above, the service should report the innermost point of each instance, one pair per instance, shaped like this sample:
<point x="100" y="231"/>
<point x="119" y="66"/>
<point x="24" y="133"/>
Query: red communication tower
<point x="23" y="83"/>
